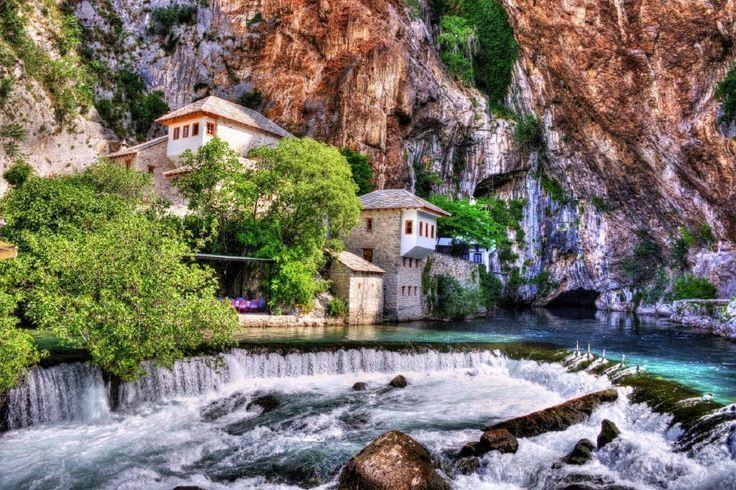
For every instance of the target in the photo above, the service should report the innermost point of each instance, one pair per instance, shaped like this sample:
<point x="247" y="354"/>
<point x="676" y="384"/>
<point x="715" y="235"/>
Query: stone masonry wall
<point x="362" y="291"/>
<point x="403" y="278"/>
<point x="465" y="271"/>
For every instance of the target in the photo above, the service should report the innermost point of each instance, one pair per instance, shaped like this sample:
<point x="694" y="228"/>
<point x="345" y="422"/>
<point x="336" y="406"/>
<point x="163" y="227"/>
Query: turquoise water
<point x="703" y="362"/>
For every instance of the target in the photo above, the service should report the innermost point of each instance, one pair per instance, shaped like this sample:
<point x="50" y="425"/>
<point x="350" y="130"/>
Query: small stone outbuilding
<point x="360" y="284"/>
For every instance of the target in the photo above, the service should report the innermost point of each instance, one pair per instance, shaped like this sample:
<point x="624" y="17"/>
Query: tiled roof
<point x="218" y="107"/>
<point x="399" y="199"/>
<point x="355" y="263"/>
<point x="135" y="149"/>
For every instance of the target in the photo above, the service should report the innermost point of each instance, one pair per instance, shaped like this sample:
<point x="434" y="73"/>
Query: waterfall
<point x="78" y="392"/>
<point x="67" y="392"/>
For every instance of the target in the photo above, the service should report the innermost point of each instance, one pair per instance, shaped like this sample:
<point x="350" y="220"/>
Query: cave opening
<point x="579" y="298"/>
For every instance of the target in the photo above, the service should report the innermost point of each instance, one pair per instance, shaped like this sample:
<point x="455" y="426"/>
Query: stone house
<point x="360" y="284"/>
<point x="397" y="233"/>
<point x="191" y="127"/>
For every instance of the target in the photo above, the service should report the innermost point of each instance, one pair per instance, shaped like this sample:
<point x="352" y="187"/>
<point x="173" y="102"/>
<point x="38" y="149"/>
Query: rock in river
<point x="267" y="403"/>
<point x="398" y="382"/>
<point x="608" y="433"/>
<point x="359" y="386"/>
<point x="392" y="461"/>
<point x="581" y="453"/>
<point x="556" y="418"/>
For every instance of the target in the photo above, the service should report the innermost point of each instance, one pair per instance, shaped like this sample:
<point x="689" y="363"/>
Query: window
<point x="195" y="129"/>
<point x="151" y="169"/>
<point x="403" y="290"/>
<point x="421" y="228"/>
<point x="211" y="129"/>
<point x="369" y="224"/>
<point x="176" y="133"/>
<point x="409" y="227"/>
<point x="185" y="132"/>
<point x="432" y="231"/>
<point x="478" y="258"/>
<point x="368" y="254"/>
<point x="128" y="164"/>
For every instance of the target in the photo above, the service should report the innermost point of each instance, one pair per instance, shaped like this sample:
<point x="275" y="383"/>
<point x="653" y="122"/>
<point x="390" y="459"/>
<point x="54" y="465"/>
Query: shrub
<point x="17" y="349"/>
<point x="337" y="308"/>
<point x="164" y="19"/>
<point x="458" y="44"/>
<point x="6" y="86"/>
<point x="687" y="239"/>
<point x="528" y="133"/>
<point x="544" y="284"/>
<point x="726" y="93"/>
<point x="601" y="204"/>
<point x="645" y="259"/>
<point x="18" y="173"/>
<point x="415" y="8"/>
<point x="454" y="301"/>
<point x="360" y="166"/>
<point x="692" y="287"/>
<point x="491" y="289"/>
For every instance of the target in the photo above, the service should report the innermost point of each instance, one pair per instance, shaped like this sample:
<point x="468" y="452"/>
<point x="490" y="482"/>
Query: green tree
<point x="360" y="166"/>
<point x="297" y="201"/>
<point x="17" y="350"/>
<point x="454" y="301"/>
<point x="491" y="289"/>
<point x="645" y="260"/>
<point x="102" y="270"/>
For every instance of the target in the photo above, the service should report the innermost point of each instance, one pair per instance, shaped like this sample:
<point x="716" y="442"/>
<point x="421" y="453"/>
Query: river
<point x="193" y="425"/>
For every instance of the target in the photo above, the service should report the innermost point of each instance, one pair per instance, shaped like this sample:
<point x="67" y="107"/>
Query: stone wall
<point x="403" y="279"/>
<point x="465" y="271"/>
<point x="363" y="292"/>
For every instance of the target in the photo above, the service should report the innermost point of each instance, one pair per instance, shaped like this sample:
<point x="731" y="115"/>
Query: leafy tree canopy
<point x="360" y="165"/>
<point x="17" y="349"/>
<point x="486" y="221"/>
<point x="104" y="271"/>
<point x="297" y="201"/>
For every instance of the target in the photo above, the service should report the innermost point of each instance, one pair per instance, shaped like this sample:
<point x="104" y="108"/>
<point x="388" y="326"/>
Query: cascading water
<point x="195" y="424"/>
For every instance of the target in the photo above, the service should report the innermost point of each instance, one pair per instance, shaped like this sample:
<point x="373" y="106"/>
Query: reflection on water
<point x="698" y="360"/>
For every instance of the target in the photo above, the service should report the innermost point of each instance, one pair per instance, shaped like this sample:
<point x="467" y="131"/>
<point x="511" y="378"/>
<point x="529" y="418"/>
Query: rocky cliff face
<point x="624" y="91"/>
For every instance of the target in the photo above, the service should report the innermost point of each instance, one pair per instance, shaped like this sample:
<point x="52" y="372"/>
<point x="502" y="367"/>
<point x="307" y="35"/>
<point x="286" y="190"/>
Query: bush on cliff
<point x="726" y="94"/>
<point x="360" y="166"/>
<point x="692" y="287"/>
<point x="645" y="260"/>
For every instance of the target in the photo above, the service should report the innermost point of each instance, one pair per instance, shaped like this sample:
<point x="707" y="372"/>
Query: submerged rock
<point x="220" y="408"/>
<point x="267" y="403"/>
<point x="392" y="461"/>
<point x="608" y="433"/>
<point x="556" y="418"/>
<point x="359" y="386"/>
<point x="398" y="382"/>
<point x="581" y="453"/>
<point x="468" y="465"/>
<point x="587" y="482"/>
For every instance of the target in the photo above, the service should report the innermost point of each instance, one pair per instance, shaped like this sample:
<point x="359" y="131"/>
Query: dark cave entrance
<point x="578" y="298"/>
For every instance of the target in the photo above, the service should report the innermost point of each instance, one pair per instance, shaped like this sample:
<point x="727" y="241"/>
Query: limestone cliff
<point x="623" y="89"/>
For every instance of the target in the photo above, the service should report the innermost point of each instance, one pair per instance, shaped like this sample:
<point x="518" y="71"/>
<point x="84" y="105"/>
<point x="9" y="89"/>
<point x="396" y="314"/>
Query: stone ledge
<point x="262" y="321"/>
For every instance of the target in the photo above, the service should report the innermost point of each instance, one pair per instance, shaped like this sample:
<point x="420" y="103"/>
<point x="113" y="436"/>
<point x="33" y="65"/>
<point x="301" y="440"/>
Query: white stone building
<point x="191" y="127"/>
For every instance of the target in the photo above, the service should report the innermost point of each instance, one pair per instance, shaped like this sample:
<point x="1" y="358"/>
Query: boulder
<point x="267" y="403"/>
<point x="500" y="440"/>
<point x="359" y="386"/>
<point x="392" y="461"/>
<point x="581" y="453"/>
<point x="556" y="418"/>
<point x="398" y="382"/>
<point x="470" y="449"/>
<point x="467" y="466"/>
<point x="608" y="433"/>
